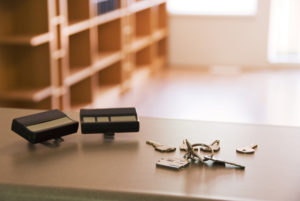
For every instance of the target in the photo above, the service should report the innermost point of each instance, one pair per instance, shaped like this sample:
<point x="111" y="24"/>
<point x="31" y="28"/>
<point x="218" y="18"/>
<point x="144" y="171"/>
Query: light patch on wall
<point x="213" y="7"/>
<point x="284" y="35"/>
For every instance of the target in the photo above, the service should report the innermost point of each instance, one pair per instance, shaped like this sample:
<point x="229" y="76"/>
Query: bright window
<point x="284" y="44"/>
<point x="213" y="7"/>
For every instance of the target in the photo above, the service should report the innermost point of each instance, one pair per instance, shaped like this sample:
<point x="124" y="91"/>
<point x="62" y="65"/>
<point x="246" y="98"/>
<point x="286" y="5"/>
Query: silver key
<point x="192" y="154"/>
<point x="183" y="147"/>
<point x="224" y="162"/>
<point x="215" y="145"/>
<point x="174" y="163"/>
<point x="250" y="149"/>
<point x="160" y="147"/>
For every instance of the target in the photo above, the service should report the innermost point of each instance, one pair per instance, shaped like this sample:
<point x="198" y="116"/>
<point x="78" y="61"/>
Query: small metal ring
<point x="205" y="145"/>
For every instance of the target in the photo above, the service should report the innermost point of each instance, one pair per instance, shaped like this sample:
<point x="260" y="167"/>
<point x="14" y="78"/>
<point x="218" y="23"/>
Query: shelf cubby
<point x="161" y="53"/>
<point x="81" y="93"/>
<point x="24" y="67"/>
<point x="143" y="23"/>
<point x="109" y="44"/>
<point x="155" y="17"/>
<point x="109" y="78"/>
<point x="34" y="22"/>
<point x="78" y="10"/>
<point x="142" y="31"/>
<point x="79" y="51"/>
<point x="31" y="30"/>
<point x="109" y="38"/>
<point x="143" y="58"/>
<point x="106" y="6"/>
<point x="162" y="48"/>
<point x="162" y="16"/>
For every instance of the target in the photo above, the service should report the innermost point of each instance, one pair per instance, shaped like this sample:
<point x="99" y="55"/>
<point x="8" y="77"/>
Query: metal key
<point x="183" y="147"/>
<point x="173" y="163"/>
<point x="160" y="147"/>
<point x="215" y="145"/>
<point x="250" y="149"/>
<point x="192" y="154"/>
<point x="224" y="162"/>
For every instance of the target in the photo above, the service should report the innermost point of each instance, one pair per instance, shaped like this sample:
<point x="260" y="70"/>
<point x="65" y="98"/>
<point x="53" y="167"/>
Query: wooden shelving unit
<point x="64" y="53"/>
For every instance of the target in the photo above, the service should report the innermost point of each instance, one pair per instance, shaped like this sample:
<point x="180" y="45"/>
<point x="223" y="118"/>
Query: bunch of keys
<point x="191" y="154"/>
<point x="177" y="163"/>
<point x="215" y="145"/>
<point x="161" y="147"/>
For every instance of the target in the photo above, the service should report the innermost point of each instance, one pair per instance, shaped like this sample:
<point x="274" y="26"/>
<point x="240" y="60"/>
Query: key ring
<point x="192" y="154"/>
<point x="210" y="149"/>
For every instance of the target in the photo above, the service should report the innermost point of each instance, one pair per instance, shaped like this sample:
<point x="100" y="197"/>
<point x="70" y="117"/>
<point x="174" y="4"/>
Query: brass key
<point x="161" y="147"/>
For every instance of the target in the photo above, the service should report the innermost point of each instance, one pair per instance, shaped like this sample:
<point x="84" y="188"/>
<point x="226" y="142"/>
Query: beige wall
<point x="220" y="40"/>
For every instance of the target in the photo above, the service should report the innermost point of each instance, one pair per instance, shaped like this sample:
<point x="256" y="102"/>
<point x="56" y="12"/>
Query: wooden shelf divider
<point x="32" y="94"/>
<point x="65" y="54"/>
<point x="31" y="40"/>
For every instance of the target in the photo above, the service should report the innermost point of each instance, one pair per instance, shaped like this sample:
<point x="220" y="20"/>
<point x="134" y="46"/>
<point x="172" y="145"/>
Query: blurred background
<point x="211" y="60"/>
